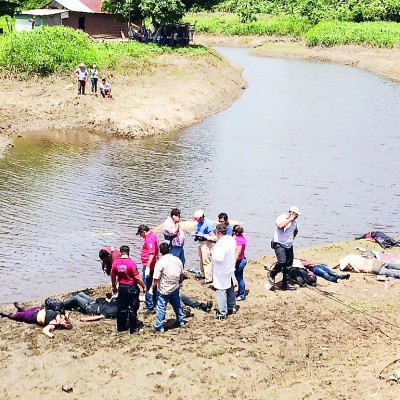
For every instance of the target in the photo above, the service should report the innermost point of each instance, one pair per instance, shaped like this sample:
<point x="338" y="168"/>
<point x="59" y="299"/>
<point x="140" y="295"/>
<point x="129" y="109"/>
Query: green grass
<point x="228" y="24"/>
<point x="331" y="33"/>
<point x="50" y="50"/>
<point x="4" y="25"/>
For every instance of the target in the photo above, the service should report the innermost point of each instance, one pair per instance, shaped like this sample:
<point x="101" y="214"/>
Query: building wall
<point x="97" y="24"/>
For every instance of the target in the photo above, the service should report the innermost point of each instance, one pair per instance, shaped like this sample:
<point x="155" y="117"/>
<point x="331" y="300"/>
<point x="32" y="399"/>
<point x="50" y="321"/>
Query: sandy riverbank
<point x="280" y="345"/>
<point x="179" y="91"/>
<point x="384" y="61"/>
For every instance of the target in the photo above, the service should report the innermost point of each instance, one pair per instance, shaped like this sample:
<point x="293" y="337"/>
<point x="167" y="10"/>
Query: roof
<point x="87" y="6"/>
<point x="42" y="11"/>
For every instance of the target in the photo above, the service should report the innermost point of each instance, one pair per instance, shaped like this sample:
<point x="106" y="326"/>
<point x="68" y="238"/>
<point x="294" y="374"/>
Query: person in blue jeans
<point x="167" y="276"/>
<point x="323" y="271"/>
<point x="241" y="262"/>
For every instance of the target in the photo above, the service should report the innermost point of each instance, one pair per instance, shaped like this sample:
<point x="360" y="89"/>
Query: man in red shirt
<point x="124" y="270"/>
<point x="149" y="256"/>
<point x="107" y="256"/>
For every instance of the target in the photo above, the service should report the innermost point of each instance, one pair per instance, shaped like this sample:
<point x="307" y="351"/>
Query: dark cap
<point x="142" y="228"/>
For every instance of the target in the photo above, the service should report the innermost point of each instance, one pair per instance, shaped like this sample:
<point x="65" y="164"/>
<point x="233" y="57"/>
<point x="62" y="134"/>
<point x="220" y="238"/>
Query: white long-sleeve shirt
<point x="224" y="259"/>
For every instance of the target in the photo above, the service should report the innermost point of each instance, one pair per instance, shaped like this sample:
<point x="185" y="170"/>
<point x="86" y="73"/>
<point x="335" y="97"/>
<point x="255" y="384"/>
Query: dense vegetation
<point x="57" y="49"/>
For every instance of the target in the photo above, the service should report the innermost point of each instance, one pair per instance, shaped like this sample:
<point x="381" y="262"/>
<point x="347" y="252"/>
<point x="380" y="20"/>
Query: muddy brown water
<point x="319" y="136"/>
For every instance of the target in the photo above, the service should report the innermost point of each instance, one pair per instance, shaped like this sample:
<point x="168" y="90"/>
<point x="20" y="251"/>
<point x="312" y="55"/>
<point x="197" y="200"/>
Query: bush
<point x="381" y="34"/>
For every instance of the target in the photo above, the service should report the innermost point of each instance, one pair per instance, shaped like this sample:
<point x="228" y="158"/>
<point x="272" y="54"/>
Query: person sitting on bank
<point x="105" y="88"/>
<point x="49" y="319"/>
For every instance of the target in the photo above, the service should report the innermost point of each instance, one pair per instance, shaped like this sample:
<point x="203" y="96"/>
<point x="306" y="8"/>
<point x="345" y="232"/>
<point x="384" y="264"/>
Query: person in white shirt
<point x="286" y="229"/>
<point x="224" y="259"/>
<point x="105" y="88"/>
<point x="175" y="235"/>
<point x="82" y="76"/>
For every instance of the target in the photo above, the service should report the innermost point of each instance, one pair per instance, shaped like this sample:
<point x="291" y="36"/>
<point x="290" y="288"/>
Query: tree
<point x="9" y="7"/>
<point x="162" y="11"/>
<point x="124" y="10"/>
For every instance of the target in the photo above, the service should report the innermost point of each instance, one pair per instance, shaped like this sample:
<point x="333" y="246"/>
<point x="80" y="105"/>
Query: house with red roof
<point x="79" y="14"/>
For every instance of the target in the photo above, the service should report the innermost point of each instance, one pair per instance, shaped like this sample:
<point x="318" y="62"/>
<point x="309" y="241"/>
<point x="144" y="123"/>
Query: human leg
<point x="160" y="312"/>
<point x="133" y="308"/>
<point x="206" y="247"/>
<point x="231" y="300"/>
<point x="239" y="267"/>
<point x="189" y="301"/>
<point x="222" y="303"/>
<point x="123" y="305"/>
<point x="319" y="270"/>
<point x="81" y="300"/>
<point x="27" y="315"/>
<point x="201" y="260"/>
<point x="150" y="299"/>
<point x="102" y="93"/>
<point x="175" y="301"/>
<point x="384" y="269"/>
<point x="178" y="252"/>
<point x="280" y="266"/>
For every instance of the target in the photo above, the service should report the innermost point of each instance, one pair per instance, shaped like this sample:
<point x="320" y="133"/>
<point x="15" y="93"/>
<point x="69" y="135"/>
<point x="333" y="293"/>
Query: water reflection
<point x="320" y="136"/>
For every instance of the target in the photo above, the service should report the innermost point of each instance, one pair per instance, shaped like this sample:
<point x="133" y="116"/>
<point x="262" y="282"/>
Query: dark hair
<point x="124" y="250"/>
<point x="223" y="215"/>
<point x="221" y="228"/>
<point x="175" y="211"/>
<point x="164" y="248"/>
<point x="103" y="254"/>
<point x="237" y="229"/>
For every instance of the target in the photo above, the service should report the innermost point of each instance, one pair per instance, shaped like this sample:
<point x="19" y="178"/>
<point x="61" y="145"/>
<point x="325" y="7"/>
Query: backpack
<point x="54" y="305"/>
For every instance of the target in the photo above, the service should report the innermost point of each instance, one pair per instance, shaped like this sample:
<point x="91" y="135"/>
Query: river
<point x="320" y="136"/>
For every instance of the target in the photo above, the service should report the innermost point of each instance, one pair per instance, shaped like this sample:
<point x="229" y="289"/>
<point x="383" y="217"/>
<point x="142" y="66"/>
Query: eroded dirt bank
<point x="384" y="61"/>
<point x="180" y="91"/>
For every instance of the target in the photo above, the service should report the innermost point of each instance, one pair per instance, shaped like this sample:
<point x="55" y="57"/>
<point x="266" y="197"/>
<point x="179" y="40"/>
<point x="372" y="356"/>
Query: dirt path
<point x="280" y="345"/>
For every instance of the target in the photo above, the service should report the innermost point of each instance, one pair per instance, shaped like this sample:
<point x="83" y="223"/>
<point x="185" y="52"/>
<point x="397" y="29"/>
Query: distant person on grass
<point x="94" y="78"/>
<point x="82" y="76"/>
<point x="105" y="88"/>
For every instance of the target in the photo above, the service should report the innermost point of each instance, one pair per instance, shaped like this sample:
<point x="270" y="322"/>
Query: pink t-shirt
<point x="150" y="246"/>
<point x="126" y="271"/>
<point x="241" y="241"/>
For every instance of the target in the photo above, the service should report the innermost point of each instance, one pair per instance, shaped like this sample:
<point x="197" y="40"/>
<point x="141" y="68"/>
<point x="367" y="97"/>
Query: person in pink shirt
<point x="107" y="256"/>
<point x="149" y="256"/>
<point x="124" y="270"/>
<point x="241" y="243"/>
<point x="175" y="235"/>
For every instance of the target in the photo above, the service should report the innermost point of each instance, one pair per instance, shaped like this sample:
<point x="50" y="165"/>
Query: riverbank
<point x="179" y="91"/>
<point x="383" y="61"/>
<point x="280" y="345"/>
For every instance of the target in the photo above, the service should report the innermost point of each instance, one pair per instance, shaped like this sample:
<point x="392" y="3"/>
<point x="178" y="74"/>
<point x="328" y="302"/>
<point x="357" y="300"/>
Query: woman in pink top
<point x="241" y="261"/>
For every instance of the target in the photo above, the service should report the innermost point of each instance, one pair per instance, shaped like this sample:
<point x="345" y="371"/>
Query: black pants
<point x="128" y="305"/>
<point x="285" y="261"/>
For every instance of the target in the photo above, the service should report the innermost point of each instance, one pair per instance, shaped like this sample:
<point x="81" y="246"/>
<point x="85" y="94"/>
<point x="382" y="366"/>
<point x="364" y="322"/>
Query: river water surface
<point x="319" y="136"/>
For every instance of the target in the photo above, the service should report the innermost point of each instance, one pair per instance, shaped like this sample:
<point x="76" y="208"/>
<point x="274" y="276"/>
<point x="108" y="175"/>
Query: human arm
<point x="153" y="285"/>
<point x="114" y="289"/>
<point x="48" y="330"/>
<point x="238" y="251"/>
<point x="140" y="282"/>
<point x="284" y="222"/>
<point x="92" y="318"/>
<point x="296" y="231"/>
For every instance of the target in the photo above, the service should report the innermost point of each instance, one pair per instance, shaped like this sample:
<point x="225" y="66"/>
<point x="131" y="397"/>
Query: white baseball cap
<point x="197" y="215"/>
<point x="295" y="210"/>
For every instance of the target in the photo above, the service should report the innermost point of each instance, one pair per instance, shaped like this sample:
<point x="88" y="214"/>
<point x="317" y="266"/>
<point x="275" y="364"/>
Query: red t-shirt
<point x="126" y="271"/>
<point x="114" y="254"/>
<point x="150" y="246"/>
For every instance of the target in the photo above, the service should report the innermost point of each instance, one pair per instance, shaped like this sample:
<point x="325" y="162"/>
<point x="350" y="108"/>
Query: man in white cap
<point x="204" y="235"/>
<point x="82" y="76"/>
<point x="286" y="229"/>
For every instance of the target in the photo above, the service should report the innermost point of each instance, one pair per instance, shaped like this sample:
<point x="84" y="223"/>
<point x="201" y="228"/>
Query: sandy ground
<point x="179" y="91"/>
<point x="305" y="344"/>
<point x="384" y="61"/>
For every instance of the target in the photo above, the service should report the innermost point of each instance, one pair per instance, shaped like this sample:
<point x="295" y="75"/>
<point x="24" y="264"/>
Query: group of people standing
<point x="82" y="75"/>
<point x="222" y="260"/>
